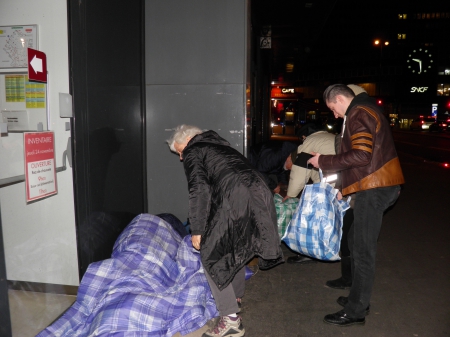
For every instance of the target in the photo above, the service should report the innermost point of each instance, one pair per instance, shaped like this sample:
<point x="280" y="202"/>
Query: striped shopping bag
<point x="316" y="226"/>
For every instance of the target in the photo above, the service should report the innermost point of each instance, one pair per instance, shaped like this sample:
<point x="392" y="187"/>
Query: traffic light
<point x="379" y="102"/>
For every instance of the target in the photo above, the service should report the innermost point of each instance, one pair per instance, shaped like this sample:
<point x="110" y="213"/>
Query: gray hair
<point x="330" y="93"/>
<point x="181" y="132"/>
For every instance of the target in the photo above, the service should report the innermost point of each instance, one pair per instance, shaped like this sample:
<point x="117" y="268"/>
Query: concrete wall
<point x="196" y="73"/>
<point x="39" y="238"/>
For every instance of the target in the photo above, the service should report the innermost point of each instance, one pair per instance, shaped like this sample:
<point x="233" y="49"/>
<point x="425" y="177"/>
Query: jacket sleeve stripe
<point x="362" y="141"/>
<point x="374" y="115"/>
<point x="362" y="147"/>
<point x="361" y="134"/>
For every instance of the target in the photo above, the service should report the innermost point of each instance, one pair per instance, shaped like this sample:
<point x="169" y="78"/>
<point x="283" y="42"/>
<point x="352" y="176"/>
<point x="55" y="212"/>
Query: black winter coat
<point x="232" y="208"/>
<point x="269" y="158"/>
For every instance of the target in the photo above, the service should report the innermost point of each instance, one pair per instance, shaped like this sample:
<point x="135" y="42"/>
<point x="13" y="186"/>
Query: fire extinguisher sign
<point x="40" y="170"/>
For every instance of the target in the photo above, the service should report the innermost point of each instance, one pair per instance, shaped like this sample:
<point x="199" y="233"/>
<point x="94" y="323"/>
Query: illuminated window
<point x="401" y="36"/>
<point x="402" y="17"/>
<point x="289" y="67"/>
<point x="443" y="89"/>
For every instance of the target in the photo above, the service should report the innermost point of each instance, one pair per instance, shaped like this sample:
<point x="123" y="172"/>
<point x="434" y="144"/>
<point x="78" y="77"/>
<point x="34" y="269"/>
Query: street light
<point x="380" y="43"/>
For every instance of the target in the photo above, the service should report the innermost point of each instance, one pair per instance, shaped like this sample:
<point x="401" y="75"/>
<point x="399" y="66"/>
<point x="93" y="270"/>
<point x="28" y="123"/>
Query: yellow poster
<point x="34" y="94"/>
<point x="15" y="88"/>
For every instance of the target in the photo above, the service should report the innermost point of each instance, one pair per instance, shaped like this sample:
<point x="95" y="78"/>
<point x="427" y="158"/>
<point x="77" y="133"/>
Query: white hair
<point x="181" y="132"/>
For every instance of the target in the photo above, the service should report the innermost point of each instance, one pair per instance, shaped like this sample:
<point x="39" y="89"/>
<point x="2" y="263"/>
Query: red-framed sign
<point x="37" y="65"/>
<point x="40" y="168"/>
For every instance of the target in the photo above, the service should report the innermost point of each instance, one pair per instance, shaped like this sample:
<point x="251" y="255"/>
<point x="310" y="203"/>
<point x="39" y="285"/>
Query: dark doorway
<point x="108" y="128"/>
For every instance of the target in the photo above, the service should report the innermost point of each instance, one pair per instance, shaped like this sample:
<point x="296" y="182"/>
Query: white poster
<point x="14" y="44"/>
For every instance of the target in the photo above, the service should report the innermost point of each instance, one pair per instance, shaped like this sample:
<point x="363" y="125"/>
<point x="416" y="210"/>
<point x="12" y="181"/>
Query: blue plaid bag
<point x="316" y="226"/>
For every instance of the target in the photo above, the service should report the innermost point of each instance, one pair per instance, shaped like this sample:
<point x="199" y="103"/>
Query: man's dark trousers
<point x="370" y="206"/>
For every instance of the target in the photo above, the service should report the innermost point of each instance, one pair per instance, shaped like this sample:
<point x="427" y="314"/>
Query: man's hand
<point x="277" y="189"/>
<point x="285" y="198"/>
<point x="314" y="161"/>
<point x="196" y="241"/>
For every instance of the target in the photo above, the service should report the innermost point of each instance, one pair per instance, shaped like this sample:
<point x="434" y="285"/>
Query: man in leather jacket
<point x="369" y="167"/>
<point x="345" y="280"/>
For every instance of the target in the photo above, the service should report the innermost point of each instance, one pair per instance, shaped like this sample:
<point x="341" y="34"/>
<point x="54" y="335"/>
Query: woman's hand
<point x="196" y="241"/>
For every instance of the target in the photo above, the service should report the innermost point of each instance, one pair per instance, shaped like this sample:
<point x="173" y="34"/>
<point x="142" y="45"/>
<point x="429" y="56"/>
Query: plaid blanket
<point x="153" y="285"/>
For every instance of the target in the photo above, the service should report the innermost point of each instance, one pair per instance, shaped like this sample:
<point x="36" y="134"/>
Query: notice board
<point x="40" y="166"/>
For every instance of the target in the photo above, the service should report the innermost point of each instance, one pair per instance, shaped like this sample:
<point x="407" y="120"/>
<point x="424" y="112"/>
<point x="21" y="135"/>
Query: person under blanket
<point x="153" y="284"/>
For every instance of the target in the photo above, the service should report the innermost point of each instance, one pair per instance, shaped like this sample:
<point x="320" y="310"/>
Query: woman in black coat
<point x="231" y="214"/>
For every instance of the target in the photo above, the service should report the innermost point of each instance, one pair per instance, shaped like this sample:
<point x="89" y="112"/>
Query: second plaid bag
<point x="285" y="210"/>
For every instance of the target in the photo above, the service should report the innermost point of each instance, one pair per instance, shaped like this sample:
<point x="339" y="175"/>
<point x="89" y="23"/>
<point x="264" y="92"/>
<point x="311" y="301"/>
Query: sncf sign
<point x="419" y="89"/>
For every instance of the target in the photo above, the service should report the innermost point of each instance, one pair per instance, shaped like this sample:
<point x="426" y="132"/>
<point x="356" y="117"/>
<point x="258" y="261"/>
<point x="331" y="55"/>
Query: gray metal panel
<point x="213" y="107"/>
<point x="195" y="53"/>
<point x="196" y="41"/>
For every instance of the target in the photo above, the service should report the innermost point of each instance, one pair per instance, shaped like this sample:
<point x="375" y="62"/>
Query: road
<point x="433" y="147"/>
<point x="430" y="146"/>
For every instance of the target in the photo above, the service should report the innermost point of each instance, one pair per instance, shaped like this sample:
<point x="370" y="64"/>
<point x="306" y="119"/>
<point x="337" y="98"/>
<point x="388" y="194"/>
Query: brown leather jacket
<point x="367" y="157"/>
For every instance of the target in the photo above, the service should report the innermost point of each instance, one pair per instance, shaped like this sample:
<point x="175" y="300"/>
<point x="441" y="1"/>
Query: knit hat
<point x="356" y="89"/>
<point x="287" y="148"/>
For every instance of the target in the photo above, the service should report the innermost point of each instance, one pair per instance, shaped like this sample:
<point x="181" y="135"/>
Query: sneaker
<point x="227" y="326"/>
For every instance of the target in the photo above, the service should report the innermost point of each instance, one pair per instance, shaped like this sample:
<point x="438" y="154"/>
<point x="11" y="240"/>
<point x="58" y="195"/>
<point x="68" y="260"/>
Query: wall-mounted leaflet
<point x="23" y="104"/>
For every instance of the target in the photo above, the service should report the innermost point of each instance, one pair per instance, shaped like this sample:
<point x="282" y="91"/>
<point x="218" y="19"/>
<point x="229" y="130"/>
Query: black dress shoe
<point x="342" y="301"/>
<point x="300" y="259"/>
<point x="340" y="283"/>
<point x="340" y="318"/>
